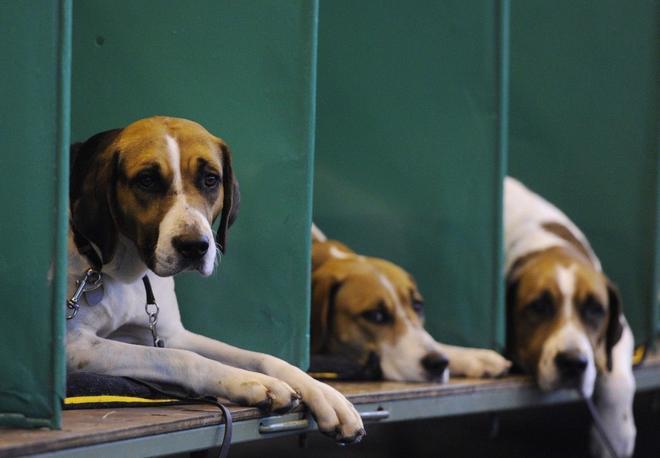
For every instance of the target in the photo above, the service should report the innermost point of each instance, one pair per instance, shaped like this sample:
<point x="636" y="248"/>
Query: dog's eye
<point x="592" y="310"/>
<point x="542" y="307"/>
<point x="377" y="316"/>
<point x="147" y="181"/>
<point x="211" y="180"/>
<point x="418" y="307"/>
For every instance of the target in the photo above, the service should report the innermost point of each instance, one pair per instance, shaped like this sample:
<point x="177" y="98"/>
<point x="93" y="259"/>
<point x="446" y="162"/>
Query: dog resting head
<point x="563" y="318"/>
<point x="364" y="306"/>
<point x="158" y="183"/>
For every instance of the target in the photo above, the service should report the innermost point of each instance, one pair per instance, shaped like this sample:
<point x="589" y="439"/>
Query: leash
<point x="152" y="314"/>
<point x="598" y="423"/>
<point x="226" y="437"/>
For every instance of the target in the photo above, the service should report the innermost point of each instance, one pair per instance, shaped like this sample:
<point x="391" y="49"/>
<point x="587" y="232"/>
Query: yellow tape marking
<point x="111" y="398"/>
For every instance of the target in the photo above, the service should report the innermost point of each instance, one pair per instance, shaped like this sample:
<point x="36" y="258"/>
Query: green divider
<point x="245" y="71"/>
<point x="34" y="120"/>
<point x="584" y="117"/>
<point x="409" y="155"/>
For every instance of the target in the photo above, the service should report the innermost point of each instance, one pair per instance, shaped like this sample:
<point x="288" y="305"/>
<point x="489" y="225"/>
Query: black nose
<point x="571" y="363"/>
<point x="191" y="248"/>
<point x="434" y="363"/>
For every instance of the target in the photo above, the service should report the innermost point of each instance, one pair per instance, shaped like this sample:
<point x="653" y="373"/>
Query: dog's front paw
<point x="622" y="437"/>
<point x="334" y="414"/>
<point x="478" y="363"/>
<point x="262" y="391"/>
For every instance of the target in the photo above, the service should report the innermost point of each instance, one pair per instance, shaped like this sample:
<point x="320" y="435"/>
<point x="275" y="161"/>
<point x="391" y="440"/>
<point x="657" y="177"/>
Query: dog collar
<point x="91" y="285"/>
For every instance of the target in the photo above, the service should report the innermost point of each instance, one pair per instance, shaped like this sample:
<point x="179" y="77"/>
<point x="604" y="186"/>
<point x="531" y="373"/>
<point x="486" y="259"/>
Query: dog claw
<point x="266" y="405"/>
<point x="356" y="439"/>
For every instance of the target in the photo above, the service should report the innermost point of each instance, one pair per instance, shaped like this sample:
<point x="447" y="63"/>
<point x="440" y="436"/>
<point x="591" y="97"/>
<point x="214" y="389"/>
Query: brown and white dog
<point x="564" y="319"/>
<point x="367" y="309"/>
<point x="144" y="197"/>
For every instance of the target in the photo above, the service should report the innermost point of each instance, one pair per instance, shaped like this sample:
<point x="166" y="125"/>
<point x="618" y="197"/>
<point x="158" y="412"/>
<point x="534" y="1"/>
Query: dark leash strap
<point x="152" y="310"/>
<point x="147" y="289"/>
<point x="186" y="397"/>
<point x="598" y="423"/>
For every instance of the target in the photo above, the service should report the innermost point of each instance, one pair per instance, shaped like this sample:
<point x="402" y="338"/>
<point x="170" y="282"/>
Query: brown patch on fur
<point x="344" y="288"/>
<point x="564" y="233"/>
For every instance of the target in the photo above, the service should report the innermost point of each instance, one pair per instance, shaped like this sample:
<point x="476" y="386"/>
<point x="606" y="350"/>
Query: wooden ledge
<point x="158" y="430"/>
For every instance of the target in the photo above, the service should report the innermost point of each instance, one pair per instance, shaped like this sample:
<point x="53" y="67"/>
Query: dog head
<point x="159" y="183"/>
<point x="563" y="318"/>
<point x="364" y="306"/>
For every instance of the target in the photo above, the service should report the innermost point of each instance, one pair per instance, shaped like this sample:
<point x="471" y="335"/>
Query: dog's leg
<point x="613" y="397"/>
<point x="474" y="362"/>
<point x="334" y="414"/>
<point x="86" y="351"/>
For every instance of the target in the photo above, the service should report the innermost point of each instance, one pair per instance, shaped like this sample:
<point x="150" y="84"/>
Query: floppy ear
<point x="322" y="252"/>
<point x="324" y="290"/>
<point x="231" y="198"/>
<point x="92" y="195"/>
<point x="510" y="304"/>
<point x="614" y="327"/>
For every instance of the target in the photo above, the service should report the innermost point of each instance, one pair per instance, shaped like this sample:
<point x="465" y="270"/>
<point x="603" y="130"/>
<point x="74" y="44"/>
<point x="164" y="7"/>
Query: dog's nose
<point x="571" y="363"/>
<point x="191" y="248"/>
<point x="434" y="363"/>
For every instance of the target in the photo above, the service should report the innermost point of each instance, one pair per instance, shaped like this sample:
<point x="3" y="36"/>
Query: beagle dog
<point x="369" y="311"/>
<point x="564" y="319"/>
<point x="142" y="201"/>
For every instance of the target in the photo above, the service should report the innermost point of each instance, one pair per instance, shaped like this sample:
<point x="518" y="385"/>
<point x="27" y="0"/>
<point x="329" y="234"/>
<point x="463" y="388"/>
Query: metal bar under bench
<point x="145" y="431"/>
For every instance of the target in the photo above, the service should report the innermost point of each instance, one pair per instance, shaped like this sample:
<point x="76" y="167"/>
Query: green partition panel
<point x="245" y="71"/>
<point x="35" y="61"/>
<point x="409" y="156"/>
<point x="584" y="117"/>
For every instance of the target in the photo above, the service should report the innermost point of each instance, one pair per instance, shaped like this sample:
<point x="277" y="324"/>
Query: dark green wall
<point x="245" y="71"/>
<point x="584" y="120"/>
<point x="408" y="164"/>
<point x="33" y="186"/>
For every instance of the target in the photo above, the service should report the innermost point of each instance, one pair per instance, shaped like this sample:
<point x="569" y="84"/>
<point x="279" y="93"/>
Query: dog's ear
<point x="92" y="196"/>
<point x="512" y="282"/>
<point x="325" y="287"/>
<point x="231" y="198"/>
<point x="323" y="252"/>
<point x="614" y="327"/>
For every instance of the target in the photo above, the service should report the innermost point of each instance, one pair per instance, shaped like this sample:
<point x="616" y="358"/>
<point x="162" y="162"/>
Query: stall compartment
<point x="584" y="131"/>
<point x="34" y="89"/>
<point x="245" y="71"/>
<point x="410" y="149"/>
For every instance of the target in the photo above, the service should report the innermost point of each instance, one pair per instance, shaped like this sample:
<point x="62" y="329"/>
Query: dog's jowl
<point x="142" y="201"/>
<point x="564" y="319"/>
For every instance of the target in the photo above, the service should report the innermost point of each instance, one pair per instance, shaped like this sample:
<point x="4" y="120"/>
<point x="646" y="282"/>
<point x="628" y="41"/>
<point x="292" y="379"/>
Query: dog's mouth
<point x="171" y="258"/>
<point x="171" y="266"/>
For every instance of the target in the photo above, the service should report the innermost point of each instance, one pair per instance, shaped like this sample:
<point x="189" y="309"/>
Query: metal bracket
<point x="284" y="423"/>
<point x="375" y="415"/>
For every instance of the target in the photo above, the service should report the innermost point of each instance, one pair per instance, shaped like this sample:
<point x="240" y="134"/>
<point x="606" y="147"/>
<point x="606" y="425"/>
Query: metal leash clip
<point x="91" y="280"/>
<point x="153" y="320"/>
